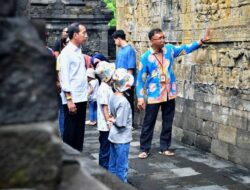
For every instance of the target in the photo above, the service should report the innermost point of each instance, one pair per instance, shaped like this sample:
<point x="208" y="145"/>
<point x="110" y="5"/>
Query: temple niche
<point x="213" y="106"/>
<point x="60" y="13"/>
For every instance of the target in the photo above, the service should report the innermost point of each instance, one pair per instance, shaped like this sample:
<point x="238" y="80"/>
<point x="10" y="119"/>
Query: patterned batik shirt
<point x="151" y="71"/>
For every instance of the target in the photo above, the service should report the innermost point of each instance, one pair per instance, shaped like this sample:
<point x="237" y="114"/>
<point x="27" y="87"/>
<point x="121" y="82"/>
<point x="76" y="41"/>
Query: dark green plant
<point x="111" y="5"/>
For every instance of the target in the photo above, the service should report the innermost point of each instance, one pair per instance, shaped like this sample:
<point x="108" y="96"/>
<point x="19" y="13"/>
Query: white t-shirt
<point x="103" y="95"/>
<point x="95" y="85"/>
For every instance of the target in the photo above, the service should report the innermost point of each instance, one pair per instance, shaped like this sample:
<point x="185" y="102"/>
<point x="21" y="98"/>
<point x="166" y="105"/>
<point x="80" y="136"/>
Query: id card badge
<point x="163" y="78"/>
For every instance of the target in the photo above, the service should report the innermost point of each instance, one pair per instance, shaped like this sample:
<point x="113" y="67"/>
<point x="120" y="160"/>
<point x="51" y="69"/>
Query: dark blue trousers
<point x="104" y="149"/>
<point x="168" y="110"/>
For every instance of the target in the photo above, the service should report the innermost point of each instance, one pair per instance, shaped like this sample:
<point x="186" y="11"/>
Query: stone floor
<point x="189" y="169"/>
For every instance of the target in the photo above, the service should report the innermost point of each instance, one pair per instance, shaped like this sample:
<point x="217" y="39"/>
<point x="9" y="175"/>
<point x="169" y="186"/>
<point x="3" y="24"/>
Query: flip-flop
<point x="167" y="153"/>
<point x="92" y="123"/>
<point x="143" y="155"/>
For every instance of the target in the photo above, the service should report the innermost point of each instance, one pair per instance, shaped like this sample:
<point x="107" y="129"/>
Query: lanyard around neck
<point x="160" y="62"/>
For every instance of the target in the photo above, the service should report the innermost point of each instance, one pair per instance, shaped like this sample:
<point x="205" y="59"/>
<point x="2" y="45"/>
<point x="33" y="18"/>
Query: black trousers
<point x="168" y="110"/>
<point x="130" y="97"/>
<point x="74" y="126"/>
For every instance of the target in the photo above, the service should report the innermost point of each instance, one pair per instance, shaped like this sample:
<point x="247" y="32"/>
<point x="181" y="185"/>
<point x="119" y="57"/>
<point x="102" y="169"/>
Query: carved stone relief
<point x="210" y="10"/>
<point x="238" y="56"/>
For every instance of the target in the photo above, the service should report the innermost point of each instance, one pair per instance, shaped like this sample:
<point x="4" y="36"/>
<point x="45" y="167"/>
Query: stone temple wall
<point x="213" y="106"/>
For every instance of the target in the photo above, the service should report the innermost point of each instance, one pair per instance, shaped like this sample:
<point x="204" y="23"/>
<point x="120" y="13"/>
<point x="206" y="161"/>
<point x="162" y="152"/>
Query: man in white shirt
<point x="74" y="86"/>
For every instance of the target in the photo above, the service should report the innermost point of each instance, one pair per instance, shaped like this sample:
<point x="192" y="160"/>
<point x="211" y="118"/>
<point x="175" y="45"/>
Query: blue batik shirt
<point x="126" y="58"/>
<point x="150" y="71"/>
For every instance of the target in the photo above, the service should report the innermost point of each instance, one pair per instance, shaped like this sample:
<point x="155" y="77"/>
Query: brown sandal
<point x="143" y="155"/>
<point x="167" y="153"/>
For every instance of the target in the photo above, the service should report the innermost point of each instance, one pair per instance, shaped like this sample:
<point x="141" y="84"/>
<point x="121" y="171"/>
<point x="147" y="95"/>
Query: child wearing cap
<point x="93" y="87"/>
<point x="120" y="134"/>
<point x="104" y="71"/>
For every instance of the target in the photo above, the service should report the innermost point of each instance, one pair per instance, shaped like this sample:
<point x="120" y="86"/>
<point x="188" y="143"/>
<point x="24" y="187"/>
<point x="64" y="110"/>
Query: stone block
<point x="245" y="77"/>
<point x="8" y="8"/>
<point x="189" y="138"/>
<point x="238" y="122"/>
<point x="75" y="177"/>
<point x="28" y="74"/>
<point x="179" y="104"/>
<point x="213" y="56"/>
<point x="203" y="142"/>
<point x="235" y="103"/>
<point x="227" y="134"/>
<point x="220" y="149"/>
<point x="203" y="105"/>
<point x="239" y="155"/>
<point x="204" y="114"/>
<point x="220" y="118"/>
<point x="220" y="110"/>
<point x="208" y="128"/>
<point x="177" y="133"/>
<point x="178" y="119"/>
<point x="191" y="123"/>
<point x="248" y="122"/>
<point x="31" y="156"/>
<point x="243" y="139"/>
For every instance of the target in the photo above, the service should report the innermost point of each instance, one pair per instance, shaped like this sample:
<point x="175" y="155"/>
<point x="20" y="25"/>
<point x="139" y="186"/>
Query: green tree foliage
<point x="111" y="5"/>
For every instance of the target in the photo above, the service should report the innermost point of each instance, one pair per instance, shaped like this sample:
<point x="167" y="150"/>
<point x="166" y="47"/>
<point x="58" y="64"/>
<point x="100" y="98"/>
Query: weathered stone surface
<point x="238" y="122"/>
<point x="191" y="123"/>
<point x="177" y="133"/>
<point x="220" y="148"/>
<point x="75" y="178"/>
<point x="239" y="156"/>
<point x="227" y="134"/>
<point x="189" y="138"/>
<point x="212" y="81"/>
<point x="8" y="8"/>
<point x="243" y="139"/>
<point x="209" y="129"/>
<point x="80" y="171"/>
<point x="28" y="73"/>
<point x="178" y="120"/>
<point x="203" y="142"/>
<point x="30" y="156"/>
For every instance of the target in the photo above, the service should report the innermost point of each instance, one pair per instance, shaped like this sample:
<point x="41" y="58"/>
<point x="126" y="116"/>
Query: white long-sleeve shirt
<point x="73" y="76"/>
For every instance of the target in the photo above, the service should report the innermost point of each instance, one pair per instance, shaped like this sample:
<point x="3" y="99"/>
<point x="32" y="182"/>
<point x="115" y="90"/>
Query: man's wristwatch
<point x="68" y="98"/>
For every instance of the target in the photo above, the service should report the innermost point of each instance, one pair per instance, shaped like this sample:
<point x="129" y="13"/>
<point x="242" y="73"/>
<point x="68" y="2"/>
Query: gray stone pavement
<point x="189" y="169"/>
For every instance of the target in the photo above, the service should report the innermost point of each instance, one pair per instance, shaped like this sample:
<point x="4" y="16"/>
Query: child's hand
<point x="111" y="119"/>
<point x="109" y="125"/>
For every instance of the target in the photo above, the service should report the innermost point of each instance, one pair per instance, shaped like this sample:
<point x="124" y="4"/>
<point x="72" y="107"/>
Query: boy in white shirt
<point x="104" y="71"/>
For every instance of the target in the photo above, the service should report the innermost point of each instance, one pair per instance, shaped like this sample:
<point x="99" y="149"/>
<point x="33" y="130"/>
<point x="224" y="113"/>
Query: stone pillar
<point x="30" y="152"/>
